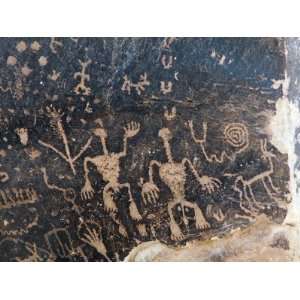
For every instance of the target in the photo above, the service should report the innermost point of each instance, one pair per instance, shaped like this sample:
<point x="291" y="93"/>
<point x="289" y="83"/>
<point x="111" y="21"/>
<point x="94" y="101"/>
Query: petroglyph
<point x="12" y="197"/>
<point x="139" y="86"/>
<point x="69" y="194"/>
<point x="35" y="254"/>
<point x="56" y="123"/>
<point x="174" y="176"/>
<point x="23" y="135"/>
<point x="245" y="190"/>
<point x="170" y="115"/>
<point x="35" y="46"/>
<point x="183" y="156"/>
<point x="92" y="236"/>
<point x="54" y="76"/>
<point x="166" y="87"/>
<point x="54" y="45"/>
<point x="235" y="134"/>
<point x="108" y="166"/>
<point x="43" y="61"/>
<point x="59" y="243"/>
<point x="21" y="46"/>
<point x="167" y="42"/>
<point x="81" y="88"/>
<point x="167" y="62"/>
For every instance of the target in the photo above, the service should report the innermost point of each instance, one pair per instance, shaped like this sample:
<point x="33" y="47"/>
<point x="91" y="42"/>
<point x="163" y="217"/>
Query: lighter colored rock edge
<point x="264" y="240"/>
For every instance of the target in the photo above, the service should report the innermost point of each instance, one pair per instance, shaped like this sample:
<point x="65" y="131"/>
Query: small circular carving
<point x="236" y="134"/>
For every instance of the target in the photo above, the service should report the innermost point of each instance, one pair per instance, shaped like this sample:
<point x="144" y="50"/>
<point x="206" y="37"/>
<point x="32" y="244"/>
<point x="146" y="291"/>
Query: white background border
<point x="89" y="281"/>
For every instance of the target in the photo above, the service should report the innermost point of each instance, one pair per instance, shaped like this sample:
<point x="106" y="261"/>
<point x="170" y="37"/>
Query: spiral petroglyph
<point x="236" y="134"/>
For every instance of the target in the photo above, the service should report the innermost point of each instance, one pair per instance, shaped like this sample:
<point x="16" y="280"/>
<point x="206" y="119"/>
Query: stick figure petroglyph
<point x="245" y="189"/>
<point x="108" y="166"/>
<point x="173" y="174"/>
<point x="80" y="87"/>
<point x="235" y="134"/>
<point x="167" y="63"/>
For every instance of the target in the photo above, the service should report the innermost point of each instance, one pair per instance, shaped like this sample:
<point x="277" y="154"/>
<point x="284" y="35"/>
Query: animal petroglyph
<point x="139" y="87"/>
<point x="108" y="166"/>
<point x="81" y="88"/>
<point x="174" y="174"/>
<point x="12" y="197"/>
<point x="245" y="187"/>
<point x="235" y="134"/>
<point x="56" y="123"/>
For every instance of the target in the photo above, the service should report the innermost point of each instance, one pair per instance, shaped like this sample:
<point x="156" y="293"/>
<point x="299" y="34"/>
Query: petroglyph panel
<point x="110" y="144"/>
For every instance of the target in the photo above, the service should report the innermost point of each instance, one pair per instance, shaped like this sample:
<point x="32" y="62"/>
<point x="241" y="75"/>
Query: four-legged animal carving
<point x="108" y="166"/>
<point x="173" y="174"/>
<point x="246" y="192"/>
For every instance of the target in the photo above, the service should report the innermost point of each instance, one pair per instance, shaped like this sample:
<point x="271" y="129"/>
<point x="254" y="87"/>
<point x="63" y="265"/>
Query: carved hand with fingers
<point x="87" y="192"/>
<point x="132" y="129"/>
<point x="209" y="184"/>
<point x="149" y="192"/>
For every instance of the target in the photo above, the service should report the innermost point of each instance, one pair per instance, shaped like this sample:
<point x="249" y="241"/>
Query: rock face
<point x="148" y="149"/>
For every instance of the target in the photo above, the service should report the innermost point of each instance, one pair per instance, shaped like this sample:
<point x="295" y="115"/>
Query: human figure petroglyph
<point x="108" y="166"/>
<point x="81" y="88"/>
<point x="139" y="86"/>
<point x="245" y="189"/>
<point x="167" y="62"/>
<point x="235" y="134"/>
<point x="166" y="87"/>
<point x="56" y="123"/>
<point x="173" y="174"/>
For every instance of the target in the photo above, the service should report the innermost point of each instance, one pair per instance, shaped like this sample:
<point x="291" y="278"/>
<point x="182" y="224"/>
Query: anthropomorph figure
<point x="108" y="166"/>
<point x="173" y="174"/>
